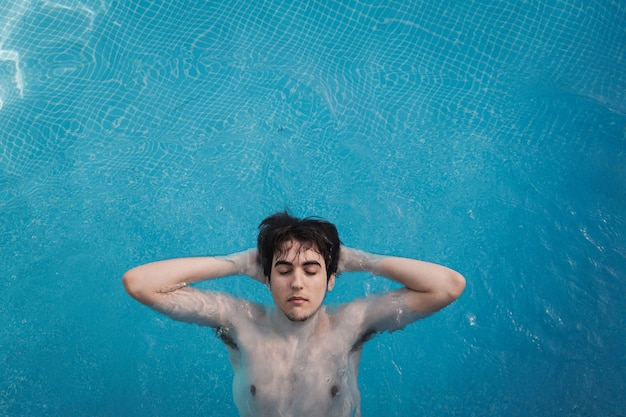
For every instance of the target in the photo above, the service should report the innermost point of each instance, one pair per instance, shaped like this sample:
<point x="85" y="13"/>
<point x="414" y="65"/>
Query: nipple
<point x="252" y="390"/>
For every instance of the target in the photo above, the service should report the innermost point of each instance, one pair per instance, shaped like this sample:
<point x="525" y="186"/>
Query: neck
<point x="287" y="327"/>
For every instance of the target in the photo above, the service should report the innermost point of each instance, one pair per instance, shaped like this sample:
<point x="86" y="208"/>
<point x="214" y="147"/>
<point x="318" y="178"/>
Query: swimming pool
<point x="488" y="137"/>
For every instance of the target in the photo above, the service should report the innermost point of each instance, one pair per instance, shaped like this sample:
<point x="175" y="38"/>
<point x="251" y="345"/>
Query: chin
<point x="298" y="318"/>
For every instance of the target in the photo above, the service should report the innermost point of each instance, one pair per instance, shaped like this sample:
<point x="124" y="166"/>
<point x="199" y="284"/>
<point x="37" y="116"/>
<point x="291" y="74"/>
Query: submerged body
<point x="293" y="368"/>
<point x="296" y="358"/>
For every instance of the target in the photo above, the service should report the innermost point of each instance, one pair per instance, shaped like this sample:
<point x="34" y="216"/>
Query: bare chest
<point x="296" y="375"/>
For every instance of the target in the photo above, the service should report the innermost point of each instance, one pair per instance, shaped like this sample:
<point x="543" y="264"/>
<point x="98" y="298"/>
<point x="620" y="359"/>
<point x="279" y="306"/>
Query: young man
<point x="295" y="358"/>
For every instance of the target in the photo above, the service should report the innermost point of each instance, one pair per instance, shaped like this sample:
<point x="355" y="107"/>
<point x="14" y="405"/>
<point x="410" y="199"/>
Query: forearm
<point x="417" y="275"/>
<point x="147" y="283"/>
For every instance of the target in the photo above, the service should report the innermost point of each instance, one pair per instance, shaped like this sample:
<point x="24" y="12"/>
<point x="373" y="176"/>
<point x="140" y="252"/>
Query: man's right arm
<point x="163" y="285"/>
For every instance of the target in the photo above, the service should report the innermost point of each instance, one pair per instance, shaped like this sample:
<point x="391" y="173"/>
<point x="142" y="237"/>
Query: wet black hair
<point x="309" y="231"/>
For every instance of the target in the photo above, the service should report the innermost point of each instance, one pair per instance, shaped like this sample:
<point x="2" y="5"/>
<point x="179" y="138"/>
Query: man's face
<point x="298" y="281"/>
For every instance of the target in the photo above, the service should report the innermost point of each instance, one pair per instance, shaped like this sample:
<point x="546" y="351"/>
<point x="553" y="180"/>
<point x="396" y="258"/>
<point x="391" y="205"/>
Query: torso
<point x="292" y="369"/>
<point x="295" y="369"/>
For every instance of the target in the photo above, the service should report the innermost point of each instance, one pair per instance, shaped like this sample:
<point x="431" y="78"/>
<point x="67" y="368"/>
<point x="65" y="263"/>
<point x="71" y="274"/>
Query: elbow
<point x="448" y="292"/>
<point x="456" y="286"/>
<point x="132" y="285"/>
<point x="129" y="282"/>
<point x="450" y="287"/>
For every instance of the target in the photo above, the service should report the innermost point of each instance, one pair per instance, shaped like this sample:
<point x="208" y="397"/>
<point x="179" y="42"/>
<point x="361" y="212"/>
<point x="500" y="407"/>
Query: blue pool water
<point x="488" y="136"/>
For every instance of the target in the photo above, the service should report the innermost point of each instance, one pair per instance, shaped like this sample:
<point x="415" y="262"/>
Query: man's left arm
<point x="430" y="286"/>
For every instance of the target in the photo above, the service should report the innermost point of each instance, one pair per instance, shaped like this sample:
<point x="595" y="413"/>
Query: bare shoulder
<point x="208" y="308"/>
<point x="377" y="313"/>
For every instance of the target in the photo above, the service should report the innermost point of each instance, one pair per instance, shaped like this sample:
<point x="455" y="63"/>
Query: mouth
<point x="297" y="300"/>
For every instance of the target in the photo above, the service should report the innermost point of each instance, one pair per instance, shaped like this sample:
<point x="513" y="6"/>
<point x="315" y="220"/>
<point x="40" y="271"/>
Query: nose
<point x="297" y="281"/>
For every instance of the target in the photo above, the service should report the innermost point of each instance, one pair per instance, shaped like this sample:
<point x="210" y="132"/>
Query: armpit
<point x="365" y="337"/>
<point x="224" y="333"/>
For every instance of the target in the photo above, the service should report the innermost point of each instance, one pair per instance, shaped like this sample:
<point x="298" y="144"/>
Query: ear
<point x="331" y="282"/>
<point x="267" y="283"/>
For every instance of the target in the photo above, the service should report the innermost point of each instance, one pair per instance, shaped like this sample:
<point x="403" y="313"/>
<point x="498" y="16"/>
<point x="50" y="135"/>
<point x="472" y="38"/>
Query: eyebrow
<point x="305" y="263"/>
